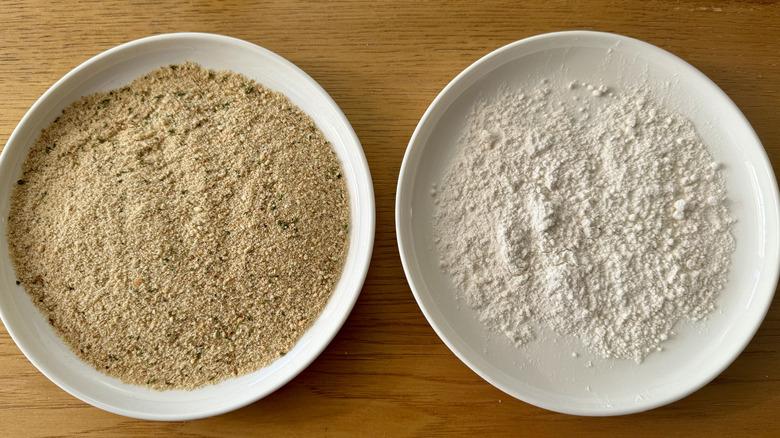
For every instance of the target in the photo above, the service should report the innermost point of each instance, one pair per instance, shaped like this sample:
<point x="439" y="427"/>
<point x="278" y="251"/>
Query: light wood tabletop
<point x="387" y="373"/>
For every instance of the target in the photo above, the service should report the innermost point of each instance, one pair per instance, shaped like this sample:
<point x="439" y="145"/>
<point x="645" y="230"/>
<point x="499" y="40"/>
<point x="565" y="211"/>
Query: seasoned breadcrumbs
<point x="182" y="230"/>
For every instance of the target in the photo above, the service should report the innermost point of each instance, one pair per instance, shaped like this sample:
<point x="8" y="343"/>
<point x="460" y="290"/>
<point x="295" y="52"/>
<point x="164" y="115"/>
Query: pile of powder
<point x="597" y="213"/>
<point x="184" y="229"/>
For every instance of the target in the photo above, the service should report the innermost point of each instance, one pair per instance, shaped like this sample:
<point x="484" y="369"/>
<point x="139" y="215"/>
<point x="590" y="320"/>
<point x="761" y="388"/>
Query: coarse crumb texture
<point x="184" y="229"/>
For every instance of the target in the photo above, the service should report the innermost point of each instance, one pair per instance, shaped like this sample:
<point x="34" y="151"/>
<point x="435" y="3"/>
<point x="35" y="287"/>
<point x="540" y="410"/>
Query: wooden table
<point x="387" y="373"/>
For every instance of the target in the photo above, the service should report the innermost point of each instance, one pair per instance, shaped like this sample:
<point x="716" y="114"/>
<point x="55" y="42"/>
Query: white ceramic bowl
<point x="113" y="69"/>
<point x="545" y="373"/>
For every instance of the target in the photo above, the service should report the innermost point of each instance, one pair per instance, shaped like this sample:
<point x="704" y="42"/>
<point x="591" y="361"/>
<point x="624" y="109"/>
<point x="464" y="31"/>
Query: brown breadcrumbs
<point x="181" y="230"/>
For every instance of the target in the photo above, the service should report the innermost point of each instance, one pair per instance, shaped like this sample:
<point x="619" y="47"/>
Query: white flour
<point x="595" y="212"/>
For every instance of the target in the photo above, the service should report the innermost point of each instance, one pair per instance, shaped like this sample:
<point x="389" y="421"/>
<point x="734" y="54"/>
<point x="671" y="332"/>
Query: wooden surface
<point x="387" y="373"/>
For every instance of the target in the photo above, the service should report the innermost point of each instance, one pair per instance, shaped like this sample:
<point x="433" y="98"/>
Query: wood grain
<point x="387" y="373"/>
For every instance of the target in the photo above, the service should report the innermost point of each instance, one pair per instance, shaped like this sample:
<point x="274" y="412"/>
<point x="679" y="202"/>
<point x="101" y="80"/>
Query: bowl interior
<point x="546" y="373"/>
<point x="113" y="69"/>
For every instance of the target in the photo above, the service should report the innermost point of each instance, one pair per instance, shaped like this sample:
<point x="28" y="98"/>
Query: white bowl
<point x="119" y="66"/>
<point x="547" y="374"/>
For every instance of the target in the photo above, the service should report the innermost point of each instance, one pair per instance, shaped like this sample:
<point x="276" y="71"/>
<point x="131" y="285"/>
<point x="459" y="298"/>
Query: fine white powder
<point x="595" y="212"/>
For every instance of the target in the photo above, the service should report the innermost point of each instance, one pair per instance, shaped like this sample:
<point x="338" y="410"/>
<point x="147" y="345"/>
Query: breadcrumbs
<point x="182" y="230"/>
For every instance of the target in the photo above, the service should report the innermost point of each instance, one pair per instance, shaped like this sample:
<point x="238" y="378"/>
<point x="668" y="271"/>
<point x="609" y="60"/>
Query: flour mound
<point x="597" y="213"/>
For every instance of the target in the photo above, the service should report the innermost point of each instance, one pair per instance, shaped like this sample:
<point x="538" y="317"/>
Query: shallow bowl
<point x="557" y="372"/>
<point x="111" y="70"/>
